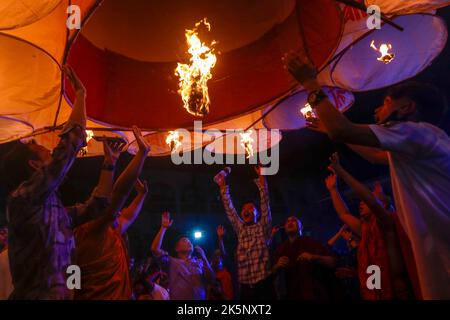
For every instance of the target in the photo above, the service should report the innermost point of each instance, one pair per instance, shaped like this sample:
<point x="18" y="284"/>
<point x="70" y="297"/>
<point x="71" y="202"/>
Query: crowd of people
<point x="400" y="252"/>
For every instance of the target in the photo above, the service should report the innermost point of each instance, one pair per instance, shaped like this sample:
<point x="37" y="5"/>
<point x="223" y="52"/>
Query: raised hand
<point x="315" y="124"/>
<point x="306" y="256"/>
<point x="301" y="68"/>
<point x="342" y="229"/>
<point x="331" y="182"/>
<point x="141" y="187"/>
<point x="282" y="262"/>
<point x="142" y="143"/>
<point x="220" y="231"/>
<point x="166" y="222"/>
<point x="219" y="179"/>
<point x="334" y="166"/>
<point x="73" y="78"/>
<point x="112" y="150"/>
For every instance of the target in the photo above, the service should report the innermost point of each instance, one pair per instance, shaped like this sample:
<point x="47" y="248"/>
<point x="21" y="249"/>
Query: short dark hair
<point x="182" y="236"/>
<point x="431" y="102"/>
<point x="15" y="165"/>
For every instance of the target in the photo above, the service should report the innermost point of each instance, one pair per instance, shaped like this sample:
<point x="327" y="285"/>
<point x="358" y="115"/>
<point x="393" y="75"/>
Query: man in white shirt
<point x="418" y="154"/>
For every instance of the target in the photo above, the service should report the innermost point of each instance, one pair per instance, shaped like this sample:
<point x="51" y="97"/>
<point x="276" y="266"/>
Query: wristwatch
<point x="316" y="97"/>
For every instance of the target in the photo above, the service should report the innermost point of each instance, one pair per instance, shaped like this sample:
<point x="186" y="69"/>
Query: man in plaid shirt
<point x="253" y="241"/>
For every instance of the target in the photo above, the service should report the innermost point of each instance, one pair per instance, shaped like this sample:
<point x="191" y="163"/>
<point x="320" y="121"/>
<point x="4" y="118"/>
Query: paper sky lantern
<point x="15" y="14"/>
<point x="259" y="140"/>
<point x="34" y="41"/>
<point x="288" y="115"/>
<point x="164" y="143"/>
<point x="423" y="39"/>
<point x="94" y="147"/>
<point x="398" y="7"/>
<point x="127" y="64"/>
<point x="127" y="52"/>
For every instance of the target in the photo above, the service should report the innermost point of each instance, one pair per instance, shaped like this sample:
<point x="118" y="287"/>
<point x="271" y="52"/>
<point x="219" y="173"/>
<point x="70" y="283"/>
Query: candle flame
<point x="173" y="140"/>
<point x="386" y="56"/>
<point x="308" y="112"/>
<point x="193" y="77"/>
<point x="247" y="143"/>
<point x="89" y="136"/>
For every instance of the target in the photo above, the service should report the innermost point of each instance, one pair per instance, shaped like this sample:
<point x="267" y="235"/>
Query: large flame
<point x="194" y="76"/>
<point x="247" y="143"/>
<point x="173" y="140"/>
<point x="386" y="56"/>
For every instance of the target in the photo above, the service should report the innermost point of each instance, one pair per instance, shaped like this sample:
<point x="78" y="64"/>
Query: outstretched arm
<point x="131" y="213"/>
<point x="208" y="272"/>
<point x="266" y="215"/>
<point x="166" y="222"/>
<point x="336" y="237"/>
<point x="48" y="178"/>
<point x="340" y="206"/>
<point x="112" y="152"/>
<point x="220" y="234"/>
<point x="231" y="212"/>
<point x="78" y="115"/>
<point x="337" y="126"/>
<point x="373" y="155"/>
<point x="101" y="196"/>
<point x="362" y="192"/>
<point x="124" y="184"/>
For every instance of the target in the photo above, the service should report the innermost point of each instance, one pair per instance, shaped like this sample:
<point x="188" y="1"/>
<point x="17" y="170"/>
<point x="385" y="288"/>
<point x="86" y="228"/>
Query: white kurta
<point x="419" y="159"/>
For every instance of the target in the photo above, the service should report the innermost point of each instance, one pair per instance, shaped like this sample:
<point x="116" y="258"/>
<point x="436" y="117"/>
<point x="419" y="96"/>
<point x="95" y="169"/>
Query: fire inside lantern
<point x="194" y="76"/>
<point x="89" y="136"/>
<point x="307" y="112"/>
<point x="247" y="143"/>
<point x="386" y="56"/>
<point x="173" y="140"/>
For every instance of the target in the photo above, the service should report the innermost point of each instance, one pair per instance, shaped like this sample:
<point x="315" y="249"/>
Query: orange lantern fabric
<point x="130" y="77"/>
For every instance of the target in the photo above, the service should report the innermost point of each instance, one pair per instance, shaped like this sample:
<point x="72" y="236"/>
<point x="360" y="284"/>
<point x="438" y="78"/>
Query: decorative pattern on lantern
<point x="308" y="113"/>
<point x="173" y="140"/>
<point x="194" y="76"/>
<point x="386" y="56"/>
<point x="247" y="143"/>
<point x="89" y="136"/>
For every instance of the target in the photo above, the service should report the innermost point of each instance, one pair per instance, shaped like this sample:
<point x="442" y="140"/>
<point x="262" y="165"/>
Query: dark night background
<point x="189" y="193"/>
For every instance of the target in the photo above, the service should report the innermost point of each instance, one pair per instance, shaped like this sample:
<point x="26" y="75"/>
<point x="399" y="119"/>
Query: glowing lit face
<point x="249" y="213"/>
<point x="291" y="225"/>
<point x="184" y="246"/>
<point x="363" y="209"/>
<point x="389" y="106"/>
